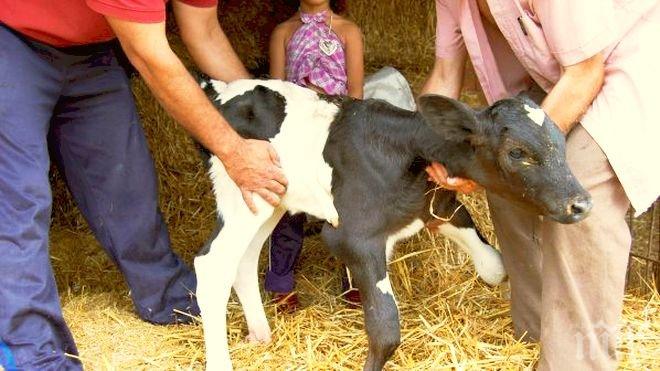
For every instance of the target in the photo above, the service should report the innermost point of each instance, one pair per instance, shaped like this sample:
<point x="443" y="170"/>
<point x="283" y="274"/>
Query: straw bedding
<point x="449" y="319"/>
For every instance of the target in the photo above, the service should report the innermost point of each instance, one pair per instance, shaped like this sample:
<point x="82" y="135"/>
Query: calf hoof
<point x="258" y="338"/>
<point x="490" y="267"/>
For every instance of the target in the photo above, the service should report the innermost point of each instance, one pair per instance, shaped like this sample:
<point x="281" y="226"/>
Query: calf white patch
<point x="385" y="286"/>
<point x="537" y="115"/>
<point x="406" y="232"/>
<point x="218" y="86"/>
<point x="487" y="261"/>
<point x="299" y="144"/>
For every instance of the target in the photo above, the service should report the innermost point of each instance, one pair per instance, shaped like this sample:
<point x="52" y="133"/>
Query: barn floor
<point x="450" y="320"/>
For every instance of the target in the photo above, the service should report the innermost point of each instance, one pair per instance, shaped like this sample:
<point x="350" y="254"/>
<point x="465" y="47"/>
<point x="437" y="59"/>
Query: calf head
<point x="513" y="149"/>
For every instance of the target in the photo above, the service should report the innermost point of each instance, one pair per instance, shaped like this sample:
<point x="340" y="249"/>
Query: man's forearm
<point x="216" y="57"/>
<point x="207" y="43"/>
<point x="446" y="78"/>
<point x="179" y="94"/>
<point x="148" y="50"/>
<point x="574" y="92"/>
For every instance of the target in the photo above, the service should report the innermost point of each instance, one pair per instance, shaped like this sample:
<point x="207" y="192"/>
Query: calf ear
<point x="533" y="94"/>
<point x="450" y="118"/>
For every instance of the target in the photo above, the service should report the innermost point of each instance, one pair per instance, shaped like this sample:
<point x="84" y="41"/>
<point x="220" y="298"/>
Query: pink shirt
<point x="307" y="63"/>
<point x="538" y="37"/>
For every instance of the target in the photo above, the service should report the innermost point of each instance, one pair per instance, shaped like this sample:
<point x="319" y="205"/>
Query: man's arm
<point x="576" y="89"/>
<point x="207" y="43"/>
<point x="252" y="164"/>
<point x="446" y="78"/>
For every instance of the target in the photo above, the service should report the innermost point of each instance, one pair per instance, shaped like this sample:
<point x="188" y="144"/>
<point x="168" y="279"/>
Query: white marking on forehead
<point x="385" y="286"/>
<point x="535" y="114"/>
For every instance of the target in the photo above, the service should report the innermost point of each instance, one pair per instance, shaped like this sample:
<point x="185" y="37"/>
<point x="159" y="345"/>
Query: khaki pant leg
<point x="518" y="235"/>
<point x="584" y="269"/>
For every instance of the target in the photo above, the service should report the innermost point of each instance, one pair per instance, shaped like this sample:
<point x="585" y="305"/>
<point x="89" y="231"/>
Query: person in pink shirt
<point x="594" y="62"/>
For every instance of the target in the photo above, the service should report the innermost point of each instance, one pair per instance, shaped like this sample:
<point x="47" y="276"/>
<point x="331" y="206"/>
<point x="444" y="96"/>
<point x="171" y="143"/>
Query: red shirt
<point x="77" y="22"/>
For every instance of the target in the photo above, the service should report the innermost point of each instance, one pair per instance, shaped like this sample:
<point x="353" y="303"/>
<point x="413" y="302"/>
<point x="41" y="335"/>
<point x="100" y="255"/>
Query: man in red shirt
<point x="62" y="89"/>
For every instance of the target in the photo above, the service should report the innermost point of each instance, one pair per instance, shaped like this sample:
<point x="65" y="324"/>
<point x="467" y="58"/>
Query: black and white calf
<point x="359" y="165"/>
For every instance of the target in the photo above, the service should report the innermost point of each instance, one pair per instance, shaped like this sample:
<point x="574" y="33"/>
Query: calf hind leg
<point x="246" y="284"/>
<point x="462" y="231"/>
<point x="368" y="266"/>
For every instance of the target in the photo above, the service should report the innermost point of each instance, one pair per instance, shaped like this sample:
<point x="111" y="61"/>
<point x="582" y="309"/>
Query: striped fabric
<point x="307" y="64"/>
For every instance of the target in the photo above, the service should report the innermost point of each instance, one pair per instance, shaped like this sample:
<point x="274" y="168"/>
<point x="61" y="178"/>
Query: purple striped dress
<point x="306" y="61"/>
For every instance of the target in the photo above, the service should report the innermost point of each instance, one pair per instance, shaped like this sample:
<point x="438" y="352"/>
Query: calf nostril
<point x="581" y="207"/>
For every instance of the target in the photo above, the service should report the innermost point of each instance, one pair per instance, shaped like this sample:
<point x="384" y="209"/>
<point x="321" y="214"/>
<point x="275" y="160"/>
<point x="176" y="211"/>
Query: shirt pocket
<point x="534" y="47"/>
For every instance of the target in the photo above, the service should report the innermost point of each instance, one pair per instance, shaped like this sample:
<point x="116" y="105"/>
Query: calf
<point x="359" y="165"/>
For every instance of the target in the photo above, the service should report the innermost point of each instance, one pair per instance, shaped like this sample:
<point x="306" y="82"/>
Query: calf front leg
<point x="368" y="266"/>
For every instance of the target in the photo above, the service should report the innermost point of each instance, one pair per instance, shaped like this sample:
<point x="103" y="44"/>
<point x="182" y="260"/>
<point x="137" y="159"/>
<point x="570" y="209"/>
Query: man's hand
<point x="438" y="174"/>
<point x="255" y="167"/>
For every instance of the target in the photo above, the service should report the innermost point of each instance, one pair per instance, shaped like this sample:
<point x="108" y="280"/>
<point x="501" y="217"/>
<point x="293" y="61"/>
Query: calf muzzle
<point x="573" y="209"/>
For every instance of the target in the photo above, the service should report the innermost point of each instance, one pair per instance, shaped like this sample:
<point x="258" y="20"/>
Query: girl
<point x="319" y="49"/>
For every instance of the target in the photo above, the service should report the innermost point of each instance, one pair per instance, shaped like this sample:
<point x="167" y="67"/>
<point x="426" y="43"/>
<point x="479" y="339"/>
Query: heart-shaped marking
<point x="328" y="47"/>
<point x="535" y="114"/>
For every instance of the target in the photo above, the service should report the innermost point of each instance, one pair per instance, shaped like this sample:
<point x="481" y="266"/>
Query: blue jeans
<point x="75" y="105"/>
<point x="285" y="245"/>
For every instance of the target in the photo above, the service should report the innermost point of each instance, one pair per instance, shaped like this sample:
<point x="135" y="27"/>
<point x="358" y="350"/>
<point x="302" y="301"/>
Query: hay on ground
<point x="449" y="319"/>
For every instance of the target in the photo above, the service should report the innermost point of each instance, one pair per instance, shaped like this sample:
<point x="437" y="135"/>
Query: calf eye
<point x="516" y="153"/>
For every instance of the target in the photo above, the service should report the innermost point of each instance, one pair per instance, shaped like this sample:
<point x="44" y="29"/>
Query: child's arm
<point x="277" y="53"/>
<point x="354" y="61"/>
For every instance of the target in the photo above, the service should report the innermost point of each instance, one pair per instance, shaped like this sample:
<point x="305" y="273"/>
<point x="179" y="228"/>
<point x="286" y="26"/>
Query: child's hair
<point x="337" y="6"/>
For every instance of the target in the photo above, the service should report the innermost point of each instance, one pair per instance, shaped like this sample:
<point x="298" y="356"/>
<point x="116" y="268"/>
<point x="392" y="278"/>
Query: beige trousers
<point x="567" y="281"/>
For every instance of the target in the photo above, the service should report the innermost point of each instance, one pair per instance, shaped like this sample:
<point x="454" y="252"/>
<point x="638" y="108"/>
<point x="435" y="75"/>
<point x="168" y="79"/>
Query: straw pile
<point x="449" y="319"/>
